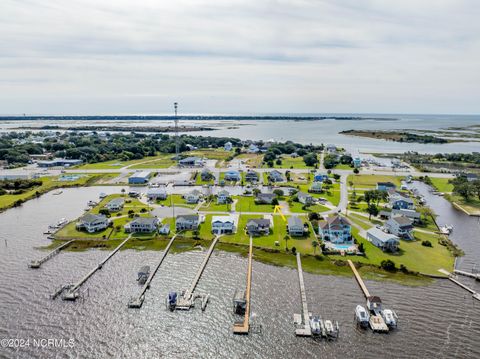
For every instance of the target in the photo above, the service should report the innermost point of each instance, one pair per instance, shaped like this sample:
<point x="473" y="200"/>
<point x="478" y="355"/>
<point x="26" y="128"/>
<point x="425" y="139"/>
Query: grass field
<point x="177" y="200"/>
<point x="247" y="204"/>
<point x="370" y="181"/>
<point x="117" y="164"/>
<point x="442" y="185"/>
<point x="296" y="207"/>
<point x="289" y="162"/>
<point x="252" y="159"/>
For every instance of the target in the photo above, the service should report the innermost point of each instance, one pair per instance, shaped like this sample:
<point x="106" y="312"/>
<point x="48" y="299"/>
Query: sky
<point x="89" y="57"/>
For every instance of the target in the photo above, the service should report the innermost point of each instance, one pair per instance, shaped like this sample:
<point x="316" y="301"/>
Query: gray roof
<point x="381" y="235"/>
<point x="295" y="221"/>
<point x="159" y="190"/>
<point x="407" y="213"/>
<point x="402" y="220"/>
<point x="262" y="222"/>
<point x="266" y="196"/>
<point x="116" y="201"/>
<point x="145" y="220"/>
<point x="91" y="218"/>
<point x="188" y="217"/>
<point x="223" y="192"/>
<point x="303" y="194"/>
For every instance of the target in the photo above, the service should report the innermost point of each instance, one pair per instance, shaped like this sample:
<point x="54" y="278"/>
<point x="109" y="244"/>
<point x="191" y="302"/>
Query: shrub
<point x="388" y="265"/>
<point x="427" y="243"/>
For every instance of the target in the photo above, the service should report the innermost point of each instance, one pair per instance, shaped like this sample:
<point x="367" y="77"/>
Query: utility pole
<point x="175" y="106"/>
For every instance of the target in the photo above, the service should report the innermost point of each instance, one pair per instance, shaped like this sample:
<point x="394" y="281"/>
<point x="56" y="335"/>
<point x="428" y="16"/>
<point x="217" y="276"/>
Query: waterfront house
<point x="316" y="187"/>
<point x="223" y="224"/>
<point x="154" y="194"/>
<point x="399" y="200"/>
<point x="276" y="176"/>
<point x="206" y="175"/>
<point x="228" y="146"/>
<point x="385" y="186"/>
<point x="92" y="222"/>
<point x="115" y="204"/>
<point x="415" y="216"/>
<point x="193" y="197"/>
<point x="165" y="229"/>
<point x="295" y="226"/>
<point x="223" y="197"/>
<point x="400" y="226"/>
<point x="304" y="198"/>
<point x="265" y="198"/>
<point x="258" y="226"/>
<point x="251" y="176"/>
<point x="385" y="241"/>
<point x="232" y="176"/>
<point x="320" y="176"/>
<point x="187" y="222"/>
<point x="191" y="162"/>
<point x="140" y="177"/>
<point x="142" y="225"/>
<point x="335" y="229"/>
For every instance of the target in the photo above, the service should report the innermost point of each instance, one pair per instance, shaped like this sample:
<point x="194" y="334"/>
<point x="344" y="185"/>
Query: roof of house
<point x="223" y="193"/>
<point x="145" y="220"/>
<point x="142" y="174"/>
<point x="223" y="219"/>
<point x="334" y="221"/>
<point x="381" y="235"/>
<point x="116" y="201"/>
<point x="411" y="213"/>
<point x="188" y="217"/>
<point x="91" y="218"/>
<point x="295" y="221"/>
<point x="233" y="172"/>
<point x="303" y="194"/>
<point x="252" y="173"/>
<point x="194" y="192"/>
<point x="384" y="214"/>
<point x="276" y="173"/>
<point x="316" y="184"/>
<point x="158" y="190"/>
<point x="262" y="222"/>
<point x="266" y="195"/>
<point x="401" y="220"/>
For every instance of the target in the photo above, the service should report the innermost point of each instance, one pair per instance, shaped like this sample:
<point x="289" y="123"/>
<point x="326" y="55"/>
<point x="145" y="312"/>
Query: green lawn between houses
<point x="370" y="181"/>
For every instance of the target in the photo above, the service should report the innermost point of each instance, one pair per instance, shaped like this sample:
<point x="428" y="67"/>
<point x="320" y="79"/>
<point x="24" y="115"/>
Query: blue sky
<point x="239" y="56"/>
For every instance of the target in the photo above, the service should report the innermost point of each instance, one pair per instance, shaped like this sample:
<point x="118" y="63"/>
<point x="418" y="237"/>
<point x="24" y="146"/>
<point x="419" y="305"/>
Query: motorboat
<point x="91" y="203"/>
<point x="102" y="195"/>
<point x="362" y="316"/>
<point x="56" y="193"/>
<point x="390" y="318"/>
<point x="315" y="325"/>
<point x="172" y="300"/>
<point x="446" y="229"/>
<point x="143" y="274"/>
<point x="331" y="329"/>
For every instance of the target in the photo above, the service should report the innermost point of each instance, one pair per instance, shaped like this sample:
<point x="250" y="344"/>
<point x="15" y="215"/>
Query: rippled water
<point x="438" y="321"/>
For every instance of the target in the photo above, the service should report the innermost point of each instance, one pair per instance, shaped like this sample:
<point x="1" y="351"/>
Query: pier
<point x="187" y="299"/>
<point x="138" y="301"/>
<point x="35" y="264"/>
<point x="304" y="318"/>
<point x="72" y="293"/>
<point x="475" y="295"/>
<point x="376" y="321"/>
<point x="475" y="276"/>
<point x="243" y="328"/>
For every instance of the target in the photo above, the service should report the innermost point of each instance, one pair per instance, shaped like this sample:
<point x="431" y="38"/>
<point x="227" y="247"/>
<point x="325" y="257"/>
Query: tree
<point x="310" y="159"/>
<point x="278" y="192"/>
<point x="388" y="265"/>
<point x="372" y="211"/>
<point x="275" y="202"/>
<point x="361" y="248"/>
<point x="314" y="245"/>
<point x="356" y="171"/>
<point x="278" y="162"/>
<point x="294" y="250"/>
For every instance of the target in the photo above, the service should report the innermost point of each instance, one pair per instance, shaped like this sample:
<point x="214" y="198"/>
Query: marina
<point x="35" y="264"/>
<point x="138" y="301"/>
<point x="72" y="290"/>
<point x="243" y="327"/>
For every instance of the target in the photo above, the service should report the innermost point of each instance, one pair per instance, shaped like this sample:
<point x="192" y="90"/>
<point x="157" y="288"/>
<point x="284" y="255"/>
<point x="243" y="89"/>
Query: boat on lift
<point x="390" y="318"/>
<point x="446" y="229"/>
<point x="362" y="316"/>
<point x="316" y="325"/>
<point x="331" y="329"/>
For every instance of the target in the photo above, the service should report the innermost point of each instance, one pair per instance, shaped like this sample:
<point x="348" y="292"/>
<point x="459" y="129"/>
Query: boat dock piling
<point x="303" y="318"/>
<point x="137" y="302"/>
<point x="72" y="293"/>
<point x="452" y="279"/>
<point x="37" y="263"/>
<point x="187" y="299"/>
<point x="376" y="321"/>
<point x="243" y="328"/>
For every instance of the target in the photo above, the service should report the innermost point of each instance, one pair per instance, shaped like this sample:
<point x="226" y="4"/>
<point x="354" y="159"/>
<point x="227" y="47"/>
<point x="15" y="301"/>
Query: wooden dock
<point x="35" y="264"/>
<point x="72" y="293"/>
<point x="304" y="331"/>
<point x="467" y="274"/>
<point x="359" y="279"/>
<point x="243" y="328"/>
<point x="475" y="295"/>
<point x="187" y="299"/>
<point x="138" y="301"/>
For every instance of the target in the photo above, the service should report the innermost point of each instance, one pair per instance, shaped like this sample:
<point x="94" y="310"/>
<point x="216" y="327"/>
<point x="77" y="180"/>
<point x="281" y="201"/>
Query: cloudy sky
<point x="239" y="56"/>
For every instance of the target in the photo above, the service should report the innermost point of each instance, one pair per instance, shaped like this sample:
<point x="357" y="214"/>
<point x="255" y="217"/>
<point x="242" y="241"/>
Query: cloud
<point x="239" y="56"/>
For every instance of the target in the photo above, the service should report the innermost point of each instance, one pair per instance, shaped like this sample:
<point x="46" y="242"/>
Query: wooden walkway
<point x="72" y="293"/>
<point x="138" y="301"/>
<point x="37" y="263"/>
<point x="245" y="326"/>
<point x="468" y="289"/>
<point x="467" y="274"/>
<point x="359" y="279"/>
<point x="306" y="331"/>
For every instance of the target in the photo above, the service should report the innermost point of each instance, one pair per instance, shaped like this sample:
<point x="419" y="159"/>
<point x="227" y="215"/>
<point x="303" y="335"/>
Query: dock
<point x="475" y="276"/>
<point x="187" y="299"/>
<point x="138" y="301"/>
<point x="475" y="295"/>
<point x="72" y="293"/>
<point x="35" y="264"/>
<point x="243" y="328"/>
<point x="377" y="324"/>
<point x="302" y="320"/>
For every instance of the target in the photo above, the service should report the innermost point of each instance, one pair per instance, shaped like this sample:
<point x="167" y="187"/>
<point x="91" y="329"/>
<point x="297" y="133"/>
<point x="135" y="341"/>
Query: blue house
<point x="140" y="177"/>
<point x="399" y="200"/>
<point x="385" y="186"/>
<point x="320" y="176"/>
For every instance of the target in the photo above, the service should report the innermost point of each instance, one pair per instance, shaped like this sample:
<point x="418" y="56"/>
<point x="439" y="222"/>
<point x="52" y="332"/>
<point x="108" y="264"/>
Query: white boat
<point x="331" y="330"/>
<point x="91" y="203"/>
<point x="362" y="316"/>
<point x="102" y="195"/>
<point x="60" y="223"/>
<point x="446" y="229"/>
<point x="315" y="325"/>
<point x="56" y="193"/>
<point x="390" y="318"/>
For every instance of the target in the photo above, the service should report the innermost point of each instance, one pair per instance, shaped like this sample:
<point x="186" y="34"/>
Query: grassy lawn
<point x="177" y="200"/>
<point x="252" y="159"/>
<point x="370" y="181"/>
<point x="296" y="207"/>
<point x="441" y="184"/>
<point x="163" y="161"/>
<point x="48" y="184"/>
<point x="472" y="206"/>
<point x="289" y="162"/>
<point x="247" y="204"/>
<point x="211" y="153"/>
<point x="342" y="166"/>
<point x="216" y="207"/>
<point x="116" y="164"/>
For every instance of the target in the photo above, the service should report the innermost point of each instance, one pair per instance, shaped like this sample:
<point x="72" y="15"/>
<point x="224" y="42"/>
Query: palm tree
<point x="286" y="238"/>
<point x="314" y="245"/>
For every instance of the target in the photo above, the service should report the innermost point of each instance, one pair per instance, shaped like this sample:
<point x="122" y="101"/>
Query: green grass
<point x="213" y="206"/>
<point x="210" y="153"/>
<point x="247" y="204"/>
<point x="164" y="161"/>
<point x="441" y="184"/>
<point x="370" y="181"/>
<point x="159" y="161"/>
<point x="342" y="166"/>
<point x="296" y="207"/>
<point x="289" y="162"/>
<point x="177" y="200"/>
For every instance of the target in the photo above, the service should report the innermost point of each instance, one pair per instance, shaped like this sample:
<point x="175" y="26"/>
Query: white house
<point x="142" y="225"/>
<point x="223" y="197"/>
<point x="304" y="198"/>
<point x="295" y="226"/>
<point x="316" y="187"/>
<point x="187" y="222"/>
<point x="228" y="146"/>
<point x="335" y="229"/>
<point x="258" y="226"/>
<point x="156" y="193"/>
<point x="92" y="222"/>
<point x="115" y="204"/>
<point x="193" y="196"/>
<point x="400" y="226"/>
<point x="385" y="241"/>
<point x="253" y="148"/>
<point x="223" y="224"/>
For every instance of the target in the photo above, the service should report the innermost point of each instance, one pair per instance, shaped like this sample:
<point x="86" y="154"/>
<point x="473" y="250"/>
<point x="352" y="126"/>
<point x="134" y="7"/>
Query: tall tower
<point x="177" y="149"/>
